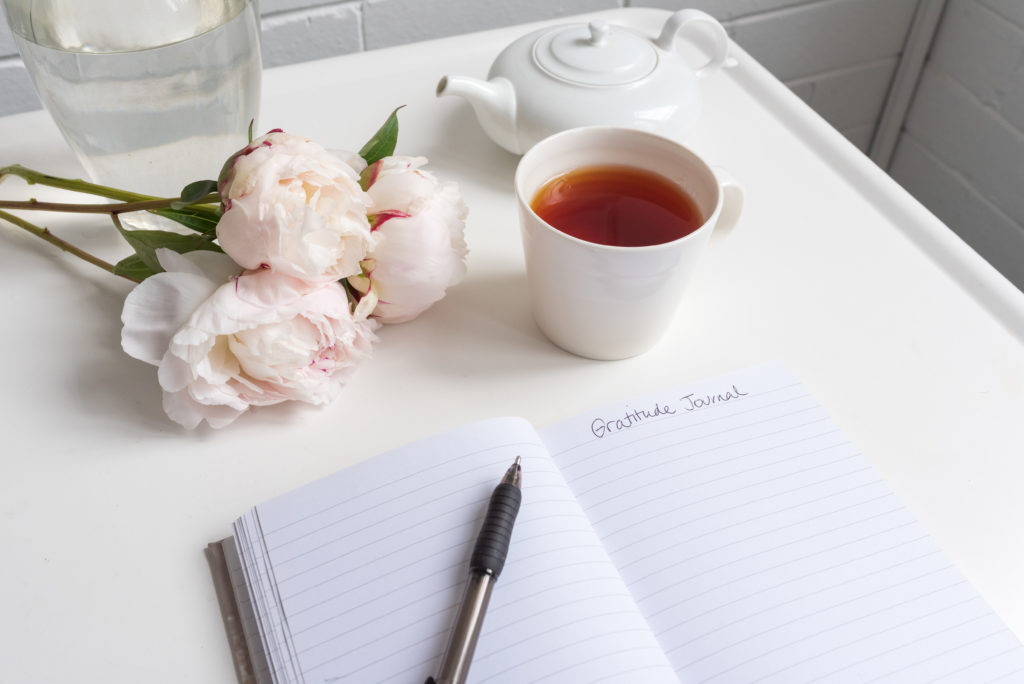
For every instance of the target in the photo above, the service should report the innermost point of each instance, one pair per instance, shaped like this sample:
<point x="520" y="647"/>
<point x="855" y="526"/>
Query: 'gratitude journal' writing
<point x="632" y="417"/>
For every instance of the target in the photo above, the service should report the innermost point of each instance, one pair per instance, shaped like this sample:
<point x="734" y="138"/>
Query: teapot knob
<point x="598" y="33"/>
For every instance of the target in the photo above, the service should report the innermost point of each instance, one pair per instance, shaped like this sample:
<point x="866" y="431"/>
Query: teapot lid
<point x="595" y="54"/>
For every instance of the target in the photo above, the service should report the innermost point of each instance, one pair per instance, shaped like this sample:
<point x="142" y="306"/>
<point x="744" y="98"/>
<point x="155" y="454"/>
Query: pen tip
<point x="513" y="475"/>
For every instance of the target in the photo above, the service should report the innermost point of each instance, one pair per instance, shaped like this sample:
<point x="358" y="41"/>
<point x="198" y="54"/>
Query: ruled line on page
<point x="781" y="528"/>
<point x="926" y="637"/>
<point x="503" y="646"/>
<point x="369" y="586"/>
<point x="467" y="512"/>
<point x="561" y="672"/>
<point x="384" y="556"/>
<point x="558" y="676"/>
<point x="553" y="625"/>
<point x="741" y="599"/>
<point x="443" y="572"/>
<point x="679" y="448"/>
<point x="551" y="604"/>
<point x="696" y="485"/>
<point x="816" y="552"/>
<point x="318" y="532"/>
<point x="961" y="646"/>
<point x="976" y="663"/>
<point x="517" y="647"/>
<point x="419" y="666"/>
<point x="467" y="528"/>
<point x="382" y="503"/>
<point x="734" y="525"/>
<point x="447" y="590"/>
<point x="1003" y="678"/>
<point x="357" y="646"/>
<point x="731" y="509"/>
<point x="836" y="586"/>
<point x="712" y="551"/>
<point x="410" y="475"/>
<point x="555" y="677"/>
<point x="358" y="507"/>
<point x="838" y="625"/>
<point x="676" y="458"/>
<point x="848" y="665"/>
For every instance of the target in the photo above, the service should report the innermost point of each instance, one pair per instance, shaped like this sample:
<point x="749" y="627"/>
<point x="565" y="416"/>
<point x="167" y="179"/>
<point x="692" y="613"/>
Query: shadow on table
<point x="459" y="149"/>
<point x="111" y="386"/>
<point x="483" y="326"/>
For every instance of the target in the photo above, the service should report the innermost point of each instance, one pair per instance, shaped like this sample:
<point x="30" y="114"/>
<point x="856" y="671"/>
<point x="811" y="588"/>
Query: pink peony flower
<point x="420" y="249"/>
<point x="258" y="339"/>
<point x="293" y="207"/>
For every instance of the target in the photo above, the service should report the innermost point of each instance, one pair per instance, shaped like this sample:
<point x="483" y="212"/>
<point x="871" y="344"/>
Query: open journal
<point x="725" y="531"/>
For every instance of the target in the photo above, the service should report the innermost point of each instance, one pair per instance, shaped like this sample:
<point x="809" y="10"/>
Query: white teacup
<point x="603" y="301"/>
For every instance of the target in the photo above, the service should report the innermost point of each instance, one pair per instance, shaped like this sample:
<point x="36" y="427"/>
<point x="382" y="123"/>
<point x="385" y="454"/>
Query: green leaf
<point x="383" y="142"/>
<point x="195" y="192"/>
<point x="133" y="267"/>
<point x="146" y="242"/>
<point x="202" y="219"/>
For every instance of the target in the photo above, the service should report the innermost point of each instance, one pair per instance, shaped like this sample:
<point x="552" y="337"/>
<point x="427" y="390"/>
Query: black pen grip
<point x="496" y="533"/>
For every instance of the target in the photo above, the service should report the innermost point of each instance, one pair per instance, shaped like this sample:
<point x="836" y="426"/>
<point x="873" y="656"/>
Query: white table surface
<point x="911" y="341"/>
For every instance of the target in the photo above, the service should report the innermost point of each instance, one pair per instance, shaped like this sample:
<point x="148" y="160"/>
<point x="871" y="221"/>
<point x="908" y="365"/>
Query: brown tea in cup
<point x="617" y="205"/>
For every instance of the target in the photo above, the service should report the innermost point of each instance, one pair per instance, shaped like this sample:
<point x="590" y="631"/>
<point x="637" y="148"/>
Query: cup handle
<point x="692" y="17"/>
<point x="732" y="203"/>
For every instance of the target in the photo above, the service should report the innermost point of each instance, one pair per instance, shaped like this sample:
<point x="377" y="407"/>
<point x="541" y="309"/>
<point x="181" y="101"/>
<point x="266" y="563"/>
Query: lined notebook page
<point x="360" y="573"/>
<point x="763" y="548"/>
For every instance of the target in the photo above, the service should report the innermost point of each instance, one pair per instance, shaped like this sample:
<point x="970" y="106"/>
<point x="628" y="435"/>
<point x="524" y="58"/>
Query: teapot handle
<point x="688" y="17"/>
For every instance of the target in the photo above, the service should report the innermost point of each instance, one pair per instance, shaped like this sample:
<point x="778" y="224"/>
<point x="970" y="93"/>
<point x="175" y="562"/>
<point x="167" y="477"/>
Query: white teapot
<point x="590" y="74"/>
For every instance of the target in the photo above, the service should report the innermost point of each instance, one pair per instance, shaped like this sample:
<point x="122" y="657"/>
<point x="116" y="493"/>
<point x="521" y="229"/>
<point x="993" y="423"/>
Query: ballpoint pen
<point x="485" y="565"/>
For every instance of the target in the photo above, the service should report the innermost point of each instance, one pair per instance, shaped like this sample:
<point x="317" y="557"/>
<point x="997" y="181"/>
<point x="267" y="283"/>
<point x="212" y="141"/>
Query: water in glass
<point x="150" y="94"/>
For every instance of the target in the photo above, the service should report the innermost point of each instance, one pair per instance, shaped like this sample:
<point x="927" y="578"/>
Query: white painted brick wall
<point x="982" y="50"/>
<point x="311" y="33"/>
<point x="720" y="9"/>
<point x="961" y="151"/>
<point x="394" y="22"/>
<point x="796" y="42"/>
<point x="849" y="97"/>
<point x="7" y="46"/>
<point x="952" y="197"/>
<point x="271" y="7"/>
<point x="836" y="53"/>
<point x="967" y="136"/>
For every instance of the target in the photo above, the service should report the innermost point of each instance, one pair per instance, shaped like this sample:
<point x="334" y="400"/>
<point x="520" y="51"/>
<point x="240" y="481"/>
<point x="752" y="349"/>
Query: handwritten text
<point x="692" y="402"/>
<point x="632" y="417"/>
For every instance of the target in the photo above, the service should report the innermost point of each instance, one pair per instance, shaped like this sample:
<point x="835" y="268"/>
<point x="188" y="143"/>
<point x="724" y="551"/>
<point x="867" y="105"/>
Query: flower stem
<point x="45" y="234"/>
<point x="118" y="208"/>
<point x="76" y="184"/>
<point x="131" y="201"/>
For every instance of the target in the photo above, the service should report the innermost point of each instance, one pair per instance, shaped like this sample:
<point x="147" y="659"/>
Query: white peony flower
<point x="293" y="207"/>
<point x="420" y="249"/>
<point x="258" y="339"/>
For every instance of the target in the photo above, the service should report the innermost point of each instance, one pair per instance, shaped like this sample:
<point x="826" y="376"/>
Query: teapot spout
<point x="494" y="102"/>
